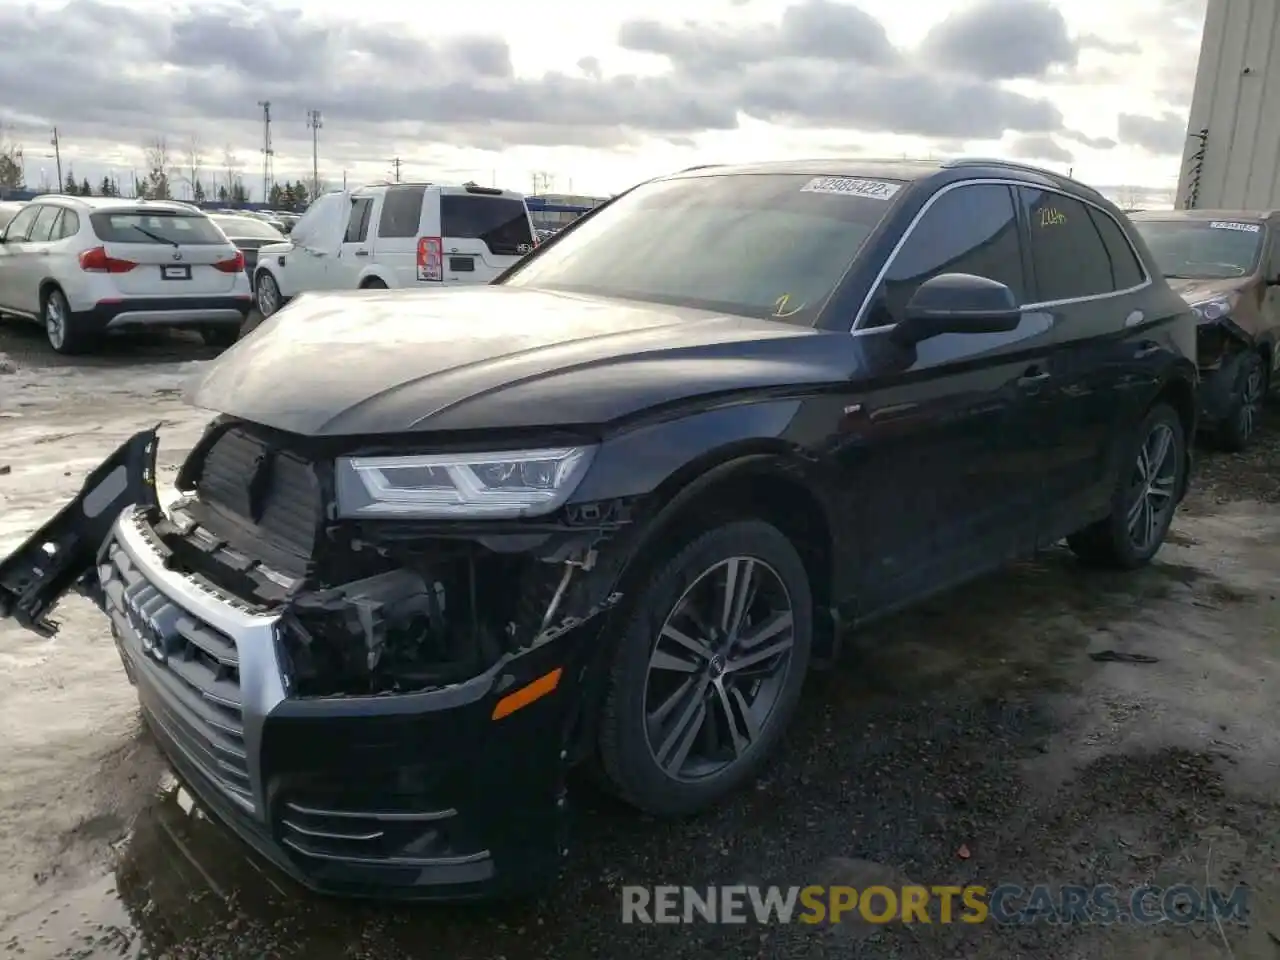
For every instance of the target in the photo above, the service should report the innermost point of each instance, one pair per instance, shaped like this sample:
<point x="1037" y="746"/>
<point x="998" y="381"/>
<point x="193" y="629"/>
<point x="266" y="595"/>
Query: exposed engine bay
<point x="378" y="607"/>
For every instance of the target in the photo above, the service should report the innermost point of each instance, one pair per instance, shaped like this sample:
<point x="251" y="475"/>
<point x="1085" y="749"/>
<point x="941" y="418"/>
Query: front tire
<point x="708" y="670"/>
<point x="62" y="331"/>
<point x="1142" y="508"/>
<point x="1237" y="428"/>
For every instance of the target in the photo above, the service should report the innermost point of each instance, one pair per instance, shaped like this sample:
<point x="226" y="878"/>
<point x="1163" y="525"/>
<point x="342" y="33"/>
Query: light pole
<point x="315" y="123"/>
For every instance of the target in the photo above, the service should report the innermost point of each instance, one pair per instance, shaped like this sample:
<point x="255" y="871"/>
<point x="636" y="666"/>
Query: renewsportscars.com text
<point x="1004" y="904"/>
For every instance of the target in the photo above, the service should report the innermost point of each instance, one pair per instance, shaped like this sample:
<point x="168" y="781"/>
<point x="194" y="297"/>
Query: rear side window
<point x="970" y="229"/>
<point x="1067" y="251"/>
<point x="68" y="225"/>
<point x="42" y="229"/>
<point x="20" y="225"/>
<point x="155" y="226"/>
<point x="1126" y="272"/>
<point x="358" y="222"/>
<point x="401" y="212"/>
<point x="502" y="223"/>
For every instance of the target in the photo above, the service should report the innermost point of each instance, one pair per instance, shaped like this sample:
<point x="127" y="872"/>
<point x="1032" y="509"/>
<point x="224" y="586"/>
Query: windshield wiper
<point x="155" y="236"/>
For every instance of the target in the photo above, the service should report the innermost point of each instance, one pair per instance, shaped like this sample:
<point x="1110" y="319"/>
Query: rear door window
<point x="155" y="226"/>
<point x="501" y="223"/>
<point x="42" y="229"/>
<point x="1070" y="259"/>
<point x="358" y="222"/>
<point x="969" y="229"/>
<point x="401" y="212"/>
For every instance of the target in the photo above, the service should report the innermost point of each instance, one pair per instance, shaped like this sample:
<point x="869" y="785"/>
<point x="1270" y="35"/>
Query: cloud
<point x="1040" y="147"/>
<point x="116" y="74"/>
<point x="1002" y="40"/>
<point x="1164" y="136"/>
<point x="1094" y="143"/>
<point x="1117" y="48"/>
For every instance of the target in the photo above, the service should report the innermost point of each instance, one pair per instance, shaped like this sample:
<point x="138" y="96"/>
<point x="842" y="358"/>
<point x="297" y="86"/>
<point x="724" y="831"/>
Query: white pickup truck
<point x="390" y="235"/>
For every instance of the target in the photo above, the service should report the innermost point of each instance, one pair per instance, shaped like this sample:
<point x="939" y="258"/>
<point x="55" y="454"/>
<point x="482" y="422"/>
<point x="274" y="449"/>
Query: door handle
<point x="1033" y="378"/>
<point x="1146" y="349"/>
<point x="362" y="253"/>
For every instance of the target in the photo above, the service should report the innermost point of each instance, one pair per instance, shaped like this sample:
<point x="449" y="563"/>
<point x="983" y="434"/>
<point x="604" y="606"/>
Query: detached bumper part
<point x="437" y="794"/>
<point x="54" y="558"/>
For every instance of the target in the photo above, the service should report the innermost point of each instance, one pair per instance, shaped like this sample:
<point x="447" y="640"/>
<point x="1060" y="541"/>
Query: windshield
<point x="1203" y="249"/>
<point x="155" y="226"/>
<point x="760" y="245"/>
<point x="245" y="228"/>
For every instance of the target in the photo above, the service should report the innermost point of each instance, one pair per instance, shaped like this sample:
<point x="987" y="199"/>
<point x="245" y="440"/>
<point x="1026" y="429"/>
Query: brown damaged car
<point x="1226" y="265"/>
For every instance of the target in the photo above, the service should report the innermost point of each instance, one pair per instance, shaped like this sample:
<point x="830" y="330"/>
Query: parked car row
<point x="438" y="548"/>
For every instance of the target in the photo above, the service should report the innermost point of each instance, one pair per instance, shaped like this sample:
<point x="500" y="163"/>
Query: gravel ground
<point x="972" y="740"/>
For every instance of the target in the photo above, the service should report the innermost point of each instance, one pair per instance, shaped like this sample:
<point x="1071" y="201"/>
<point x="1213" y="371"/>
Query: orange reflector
<point x="527" y="694"/>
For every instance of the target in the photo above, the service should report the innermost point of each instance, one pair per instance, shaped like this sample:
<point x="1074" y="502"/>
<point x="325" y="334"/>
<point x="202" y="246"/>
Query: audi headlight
<point x="519" y="483"/>
<point x="1213" y="309"/>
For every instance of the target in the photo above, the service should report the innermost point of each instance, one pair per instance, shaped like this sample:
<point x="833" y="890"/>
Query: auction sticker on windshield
<point x="1227" y="225"/>
<point x="852" y="187"/>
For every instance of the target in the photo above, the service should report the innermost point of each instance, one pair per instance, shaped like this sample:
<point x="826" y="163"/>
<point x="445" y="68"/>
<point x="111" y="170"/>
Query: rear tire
<point x="1241" y="422"/>
<point x="1145" y="498"/>
<point x="748" y="675"/>
<point x="267" y="294"/>
<point x="219" y="335"/>
<point x="64" y="333"/>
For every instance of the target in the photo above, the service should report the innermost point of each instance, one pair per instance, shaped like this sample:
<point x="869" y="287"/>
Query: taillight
<point x="97" y="261"/>
<point x="234" y="265"/>
<point x="431" y="258"/>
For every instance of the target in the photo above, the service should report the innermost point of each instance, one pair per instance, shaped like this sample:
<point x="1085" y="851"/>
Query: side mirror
<point x="957" y="303"/>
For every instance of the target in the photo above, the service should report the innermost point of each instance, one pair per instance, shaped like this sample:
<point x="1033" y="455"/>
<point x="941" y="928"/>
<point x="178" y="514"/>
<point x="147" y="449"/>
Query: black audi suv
<point x="439" y="546"/>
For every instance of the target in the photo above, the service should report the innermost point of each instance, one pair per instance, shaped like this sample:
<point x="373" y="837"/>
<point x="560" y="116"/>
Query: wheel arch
<point x="374" y="274"/>
<point x="1179" y="391"/>
<point x="758" y="478"/>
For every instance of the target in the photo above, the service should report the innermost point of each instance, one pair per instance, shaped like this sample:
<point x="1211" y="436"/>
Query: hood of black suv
<point x="493" y="357"/>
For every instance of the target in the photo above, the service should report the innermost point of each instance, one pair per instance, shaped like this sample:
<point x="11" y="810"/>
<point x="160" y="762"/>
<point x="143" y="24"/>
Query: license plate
<point x="180" y="272"/>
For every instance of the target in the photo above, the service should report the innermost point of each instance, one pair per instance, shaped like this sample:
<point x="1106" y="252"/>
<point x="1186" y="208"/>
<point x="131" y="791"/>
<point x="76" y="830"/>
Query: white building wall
<point x="1235" y="110"/>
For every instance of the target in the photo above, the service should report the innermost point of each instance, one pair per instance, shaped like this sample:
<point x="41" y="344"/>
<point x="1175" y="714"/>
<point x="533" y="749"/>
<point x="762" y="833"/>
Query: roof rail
<point x="1013" y="165"/>
<point x="701" y="166"/>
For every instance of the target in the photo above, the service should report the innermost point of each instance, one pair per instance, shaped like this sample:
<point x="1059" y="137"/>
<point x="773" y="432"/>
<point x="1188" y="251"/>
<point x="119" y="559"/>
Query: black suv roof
<point x="939" y="171"/>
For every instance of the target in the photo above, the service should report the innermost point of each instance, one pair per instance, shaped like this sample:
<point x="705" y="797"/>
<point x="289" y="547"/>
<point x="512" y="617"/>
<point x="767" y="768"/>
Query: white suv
<point x="85" y="265"/>
<point x="392" y="235"/>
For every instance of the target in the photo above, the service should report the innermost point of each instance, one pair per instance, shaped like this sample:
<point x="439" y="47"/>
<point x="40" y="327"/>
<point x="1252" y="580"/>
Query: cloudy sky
<point x="598" y="97"/>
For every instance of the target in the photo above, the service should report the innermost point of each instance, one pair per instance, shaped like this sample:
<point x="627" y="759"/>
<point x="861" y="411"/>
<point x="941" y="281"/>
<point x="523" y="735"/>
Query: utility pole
<point x="57" y="155"/>
<point x="267" y="152"/>
<point x="395" y="163"/>
<point x="315" y="123"/>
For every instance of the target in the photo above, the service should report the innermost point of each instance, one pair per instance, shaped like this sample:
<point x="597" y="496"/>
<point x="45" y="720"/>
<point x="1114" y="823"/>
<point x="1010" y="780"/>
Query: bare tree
<point x="12" y="167"/>
<point x="230" y="167"/>
<point x="193" y="163"/>
<point x="1130" y="198"/>
<point x="159" y="169"/>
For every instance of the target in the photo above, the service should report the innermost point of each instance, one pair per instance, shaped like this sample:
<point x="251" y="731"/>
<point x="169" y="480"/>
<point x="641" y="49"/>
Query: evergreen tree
<point x="71" y="187"/>
<point x="86" y="190"/>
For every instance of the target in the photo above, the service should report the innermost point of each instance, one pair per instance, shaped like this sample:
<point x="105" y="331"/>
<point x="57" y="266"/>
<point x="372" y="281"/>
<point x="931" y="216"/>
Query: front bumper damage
<point x="1221" y="347"/>
<point x="446" y="787"/>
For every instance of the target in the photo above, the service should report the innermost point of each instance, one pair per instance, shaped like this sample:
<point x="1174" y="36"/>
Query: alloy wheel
<point x="1250" y="400"/>
<point x="1152" y="490"/>
<point x="268" y="295"/>
<point x="718" y="667"/>
<point x="55" y="321"/>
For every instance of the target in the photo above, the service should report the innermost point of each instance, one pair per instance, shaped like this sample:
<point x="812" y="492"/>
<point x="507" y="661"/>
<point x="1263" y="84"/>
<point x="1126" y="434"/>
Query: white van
<point x="390" y="235"/>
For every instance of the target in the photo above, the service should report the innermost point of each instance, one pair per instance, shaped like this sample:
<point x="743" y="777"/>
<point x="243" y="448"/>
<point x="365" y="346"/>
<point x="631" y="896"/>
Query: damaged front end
<point x="379" y="706"/>
<point x="1222" y="345"/>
